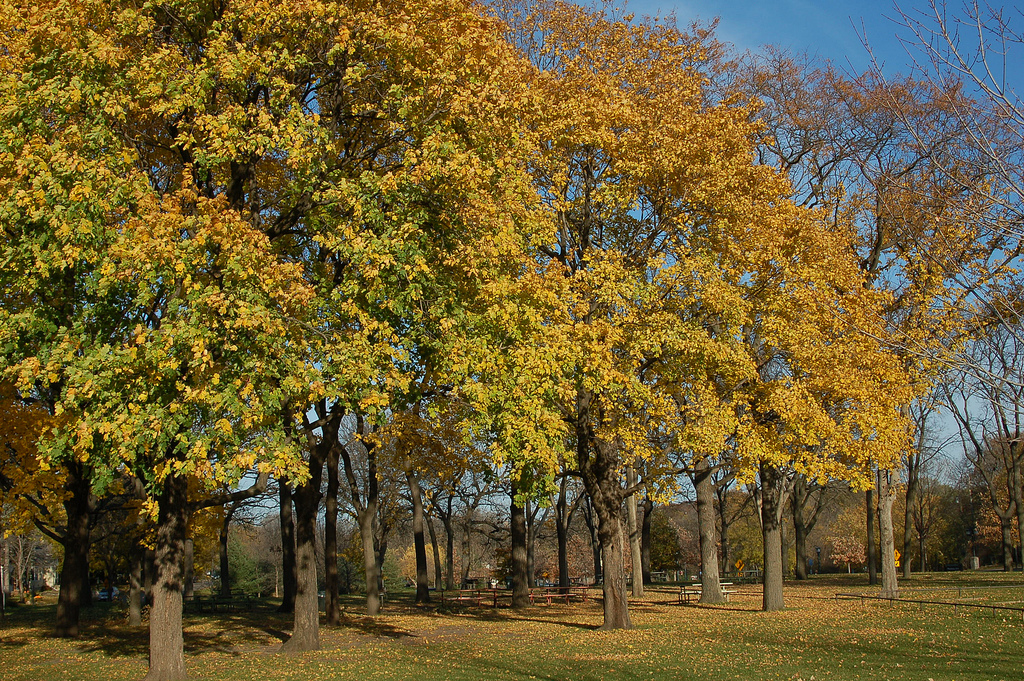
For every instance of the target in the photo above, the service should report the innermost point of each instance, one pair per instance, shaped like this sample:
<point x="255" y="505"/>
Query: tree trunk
<point x="722" y="494"/>
<point x="799" y="526"/>
<point x="595" y="540"/>
<point x="449" y="547"/>
<point x="287" y="547"/>
<point x="772" y="501"/>
<point x="645" y="540"/>
<point x="913" y="464"/>
<point x="74" y="573"/>
<point x="710" y="583"/>
<point x="135" y="589"/>
<point x="370" y="560"/>
<point x="1017" y="493"/>
<point x="1006" y="524"/>
<point x="599" y="467"/>
<point x="520" y="585"/>
<point x="562" y="534"/>
<point x="332" y="605"/>
<point x="634" y="536"/>
<point x="531" y="545"/>
<point x="225" y="566"/>
<point x="467" y="550"/>
<point x="438" y="573"/>
<point x="872" y="508"/>
<point x="419" y="539"/>
<point x="166" y="642"/>
<point x="886" y="497"/>
<point x="306" y="620"/>
<point x="613" y="542"/>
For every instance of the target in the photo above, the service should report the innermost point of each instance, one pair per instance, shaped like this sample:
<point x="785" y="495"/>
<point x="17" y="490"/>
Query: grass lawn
<point x="817" y="637"/>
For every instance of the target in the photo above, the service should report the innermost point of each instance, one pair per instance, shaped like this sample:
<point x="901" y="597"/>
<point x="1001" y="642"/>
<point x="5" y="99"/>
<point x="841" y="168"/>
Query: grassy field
<point x="817" y="637"/>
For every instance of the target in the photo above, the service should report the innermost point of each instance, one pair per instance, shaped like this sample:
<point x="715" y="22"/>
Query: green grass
<point x="815" y="637"/>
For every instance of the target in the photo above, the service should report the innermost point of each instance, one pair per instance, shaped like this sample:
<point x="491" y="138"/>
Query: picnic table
<point x="476" y="596"/>
<point x="694" y="591"/>
<point x="546" y="595"/>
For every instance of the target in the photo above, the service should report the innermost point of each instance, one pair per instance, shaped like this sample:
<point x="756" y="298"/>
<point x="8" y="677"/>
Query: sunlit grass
<point x="816" y="637"/>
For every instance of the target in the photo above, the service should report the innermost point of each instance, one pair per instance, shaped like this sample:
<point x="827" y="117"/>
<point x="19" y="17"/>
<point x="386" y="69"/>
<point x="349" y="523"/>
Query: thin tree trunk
<point x="449" y="547"/>
<point x="562" y="534"/>
<point x="419" y="539"/>
<point x="710" y="582"/>
<point x="166" y="642"/>
<point x="531" y="545"/>
<point x="595" y="540"/>
<point x="634" y="536"/>
<point x="438" y="573"/>
<point x="333" y="604"/>
<point x="520" y="585"/>
<point x="287" y="547"/>
<point x="886" y="497"/>
<point x="645" y="540"/>
<point x="799" y="526"/>
<point x="722" y="493"/>
<point x="913" y="464"/>
<point x="225" y="567"/>
<point x="872" y="509"/>
<point x="772" y="501"/>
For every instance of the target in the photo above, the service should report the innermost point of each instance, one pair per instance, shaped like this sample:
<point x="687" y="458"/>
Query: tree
<point x="847" y="550"/>
<point x="195" y="155"/>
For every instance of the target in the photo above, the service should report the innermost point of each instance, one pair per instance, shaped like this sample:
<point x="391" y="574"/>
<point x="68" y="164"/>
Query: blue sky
<point x="831" y="29"/>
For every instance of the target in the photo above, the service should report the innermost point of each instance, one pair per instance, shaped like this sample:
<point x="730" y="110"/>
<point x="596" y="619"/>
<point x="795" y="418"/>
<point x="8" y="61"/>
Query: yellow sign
<point x="896" y="552"/>
<point x="739" y="565"/>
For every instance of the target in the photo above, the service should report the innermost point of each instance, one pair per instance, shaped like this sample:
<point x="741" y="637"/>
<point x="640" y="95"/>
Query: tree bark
<point x="438" y="572"/>
<point x="772" y="502"/>
<point x="225" y="566"/>
<point x="562" y="534"/>
<point x="531" y="544"/>
<point x="74" y="574"/>
<point x="599" y="467"/>
<point x="799" y="526"/>
<point x="520" y="585"/>
<point x="886" y="497"/>
<point x="1006" y="525"/>
<point x="306" y="619"/>
<point x="166" y="641"/>
<point x="595" y="540"/>
<point x="449" y="557"/>
<point x="872" y="509"/>
<point x="710" y="582"/>
<point x="418" y="536"/>
<point x="287" y="547"/>
<point x="645" y="540"/>
<point x="722" y="494"/>
<point x="633" y="527"/>
<point x="332" y="605"/>
<point x="613" y="542"/>
<point x="913" y="472"/>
